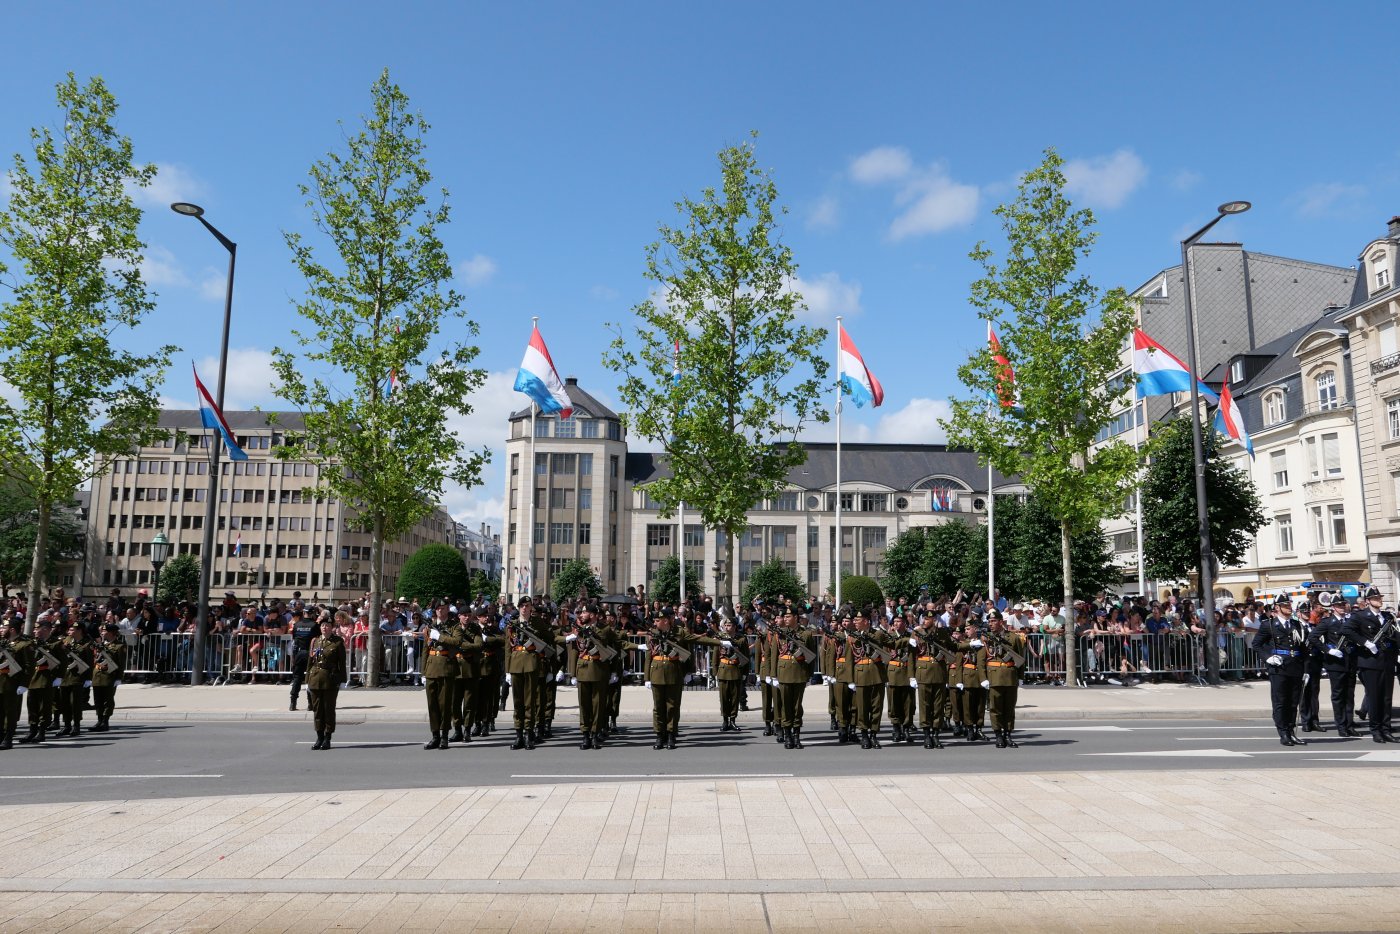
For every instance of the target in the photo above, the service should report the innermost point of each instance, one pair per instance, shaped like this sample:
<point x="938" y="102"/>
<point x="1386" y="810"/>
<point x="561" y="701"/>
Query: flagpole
<point x="680" y="547"/>
<point x="1137" y="447"/>
<point x="991" y="537"/>
<point x="529" y="582"/>
<point x="838" y="463"/>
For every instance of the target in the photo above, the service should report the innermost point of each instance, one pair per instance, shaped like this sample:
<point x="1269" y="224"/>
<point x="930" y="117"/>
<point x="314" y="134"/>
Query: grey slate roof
<point x="583" y="403"/>
<point x="238" y="420"/>
<point x="896" y="466"/>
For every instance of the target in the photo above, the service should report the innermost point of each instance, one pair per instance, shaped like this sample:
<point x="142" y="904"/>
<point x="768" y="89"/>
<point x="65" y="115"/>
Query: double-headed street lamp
<point x="211" y="496"/>
<point x="1206" y="591"/>
<point x="160" y="553"/>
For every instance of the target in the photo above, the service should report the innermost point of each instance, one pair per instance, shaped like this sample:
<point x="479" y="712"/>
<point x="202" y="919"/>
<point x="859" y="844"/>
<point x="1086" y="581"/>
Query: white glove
<point x="612" y="679"/>
<point x="960" y="686"/>
<point x="507" y="679"/>
<point x="986" y="684"/>
<point x="116" y="684"/>
<point x="1306" y="679"/>
<point x="434" y="635"/>
<point x="828" y="679"/>
<point x="571" y="637"/>
<point x="58" y="682"/>
<point x="573" y="682"/>
<point x="914" y="642"/>
<point x="725" y="643"/>
<point x="976" y="643"/>
<point x="559" y="678"/>
<point x="1274" y="660"/>
<point x="21" y="690"/>
<point x="1371" y="646"/>
<point x="87" y="684"/>
<point x="647" y="685"/>
<point x="913" y="682"/>
<point x="851" y="686"/>
<point x="1336" y="652"/>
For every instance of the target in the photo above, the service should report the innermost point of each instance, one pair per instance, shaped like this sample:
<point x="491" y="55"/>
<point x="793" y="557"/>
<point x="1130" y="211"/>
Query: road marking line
<point x="666" y="775"/>
<point x="108" y="776"/>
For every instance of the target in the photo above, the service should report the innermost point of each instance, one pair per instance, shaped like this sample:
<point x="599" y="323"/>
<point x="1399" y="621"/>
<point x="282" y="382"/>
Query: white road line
<point x="665" y="775"/>
<point x="3" y="777"/>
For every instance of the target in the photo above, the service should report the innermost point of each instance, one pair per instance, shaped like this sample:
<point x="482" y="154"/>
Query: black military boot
<point x="547" y="731"/>
<point x="1286" y="740"/>
<point x="587" y="741"/>
<point x="875" y="739"/>
<point x="458" y="736"/>
<point x="937" y="742"/>
<point x="1001" y="739"/>
<point x="843" y="736"/>
<point x="660" y="740"/>
<point x="612" y="724"/>
<point x="320" y="741"/>
<point x="898" y="736"/>
<point x="66" y="731"/>
<point x="519" y="740"/>
<point x="31" y="736"/>
<point x="8" y="741"/>
<point x="530" y="739"/>
<point x="1011" y="742"/>
<point x="671" y="739"/>
<point x="864" y="739"/>
<point x="598" y="737"/>
<point x="767" y="727"/>
<point x="326" y="743"/>
<point x="928" y="739"/>
<point x="1297" y="740"/>
<point x="293" y="704"/>
<point x="780" y="735"/>
<point x="959" y="731"/>
<point x="434" y="743"/>
<point x="476" y="728"/>
<point x="797" y="740"/>
<point x="787" y="739"/>
<point x="833" y="723"/>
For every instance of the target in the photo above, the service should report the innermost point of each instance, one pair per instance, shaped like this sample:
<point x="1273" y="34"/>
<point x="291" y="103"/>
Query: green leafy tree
<point x="903" y="565"/>
<point x="1028" y="554"/>
<point x="19" y="528"/>
<point x="1169" y="504"/>
<point x="77" y="399"/>
<point x="483" y="586"/>
<point x="946" y="547"/>
<point x="435" y="571"/>
<point x="1063" y="338"/>
<point x="179" y="579"/>
<point x="666" y="581"/>
<point x="378" y="306"/>
<point x="574" y="578"/>
<point x="861" y="592"/>
<point x="752" y="377"/>
<point x="771" y="580"/>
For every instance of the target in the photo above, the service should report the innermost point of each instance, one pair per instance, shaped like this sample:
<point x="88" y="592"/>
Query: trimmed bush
<point x="861" y="592"/>
<point x="434" y="571"/>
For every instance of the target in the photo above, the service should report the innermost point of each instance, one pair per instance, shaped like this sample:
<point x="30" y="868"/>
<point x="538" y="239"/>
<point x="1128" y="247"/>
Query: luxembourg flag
<point x="211" y="417"/>
<point x="238" y="545"/>
<point x="1159" y="372"/>
<point x="539" y="380"/>
<point x="1229" y="423"/>
<point x="856" y="379"/>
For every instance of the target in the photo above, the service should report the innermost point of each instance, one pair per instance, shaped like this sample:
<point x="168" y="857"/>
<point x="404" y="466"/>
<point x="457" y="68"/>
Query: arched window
<point x="1275" y="408"/>
<point x="1326" y="390"/>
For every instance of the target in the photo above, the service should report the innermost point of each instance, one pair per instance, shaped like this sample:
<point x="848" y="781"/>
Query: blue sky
<point x="565" y="131"/>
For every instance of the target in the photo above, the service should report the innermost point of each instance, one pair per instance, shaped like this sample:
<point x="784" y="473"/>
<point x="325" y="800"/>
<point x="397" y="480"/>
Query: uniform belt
<point x="588" y="658"/>
<point x="841" y="660"/>
<point x="1000" y="665"/>
<point x="662" y="658"/>
<point x="436" y="652"/>
<point x="865" y="661"/>
<point x="521" y="648"/>
<point x="728" y="661"/>
<point x="966" y="665"/>
<point x="895" y="664"/>
<point x="1287" y="652"/>
<point x="786" y="657"/>
<point x="925" y="658"/>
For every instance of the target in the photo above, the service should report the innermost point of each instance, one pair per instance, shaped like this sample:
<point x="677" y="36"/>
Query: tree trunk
<point x="731" y="564"/>
<point x="36" y="567"/>
<point x="376" y="581"/>
<point x="1071" y="660"/>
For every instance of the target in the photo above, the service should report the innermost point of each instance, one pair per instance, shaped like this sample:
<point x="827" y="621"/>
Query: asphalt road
<point x="190" y="758"/>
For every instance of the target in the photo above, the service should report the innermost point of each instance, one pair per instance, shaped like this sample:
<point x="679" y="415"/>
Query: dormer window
<point x="1237" y="372"/>
<point x="1326" y="390"/>
<point x="1275" y="410"/>
<point x="1380" y="271"/>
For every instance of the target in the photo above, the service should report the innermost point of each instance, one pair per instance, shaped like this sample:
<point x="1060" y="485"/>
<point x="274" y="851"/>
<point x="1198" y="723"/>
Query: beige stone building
<point x="272" y="536"/>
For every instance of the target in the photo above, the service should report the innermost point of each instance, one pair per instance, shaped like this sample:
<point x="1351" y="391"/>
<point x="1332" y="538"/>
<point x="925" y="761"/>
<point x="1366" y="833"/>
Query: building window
<point x="564" y="463"/>
<point x="1392" y="417"/>
<point x="556" y="565"/>
<point x="614" y="431"/>
<point x="585" y="498"/>
<point x="1336" y="514"/>
<point x="694" y="536"/>
<point x="1331" y="455"/>
<point x="539" y="533"/>
<point x="561" y="499"/>
<point x="541" y="464"/>
<point x="561" y="533"/>
<point x="541" y="428"/>
<point x="1382" y="278"/>
<point x="1237" y="371"/>
<point x="813" y="537"/>
<point x="1284" y="524"/>
<point x="589" y="427"/>
<point x="874" y="502"/>
<point x="514" y="464"/>
<point x="585" y="465"/>
<point x="1124" y="541"/>
<point x="659" y="535"/>
<point x="1327" y="390"/>
<point x="785" y="502"/>
<point x="1278" y="464"/>
<point x="1275" y="409"/>
<point x="585" y="533"/>
<point x="565" y="428"/>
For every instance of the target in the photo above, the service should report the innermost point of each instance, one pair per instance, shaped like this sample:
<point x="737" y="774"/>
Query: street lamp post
<point x="1206" y="591"/>
<point x="160" y="553"/>
<point x="211" y="496"/>
<point x="718" y="570"/>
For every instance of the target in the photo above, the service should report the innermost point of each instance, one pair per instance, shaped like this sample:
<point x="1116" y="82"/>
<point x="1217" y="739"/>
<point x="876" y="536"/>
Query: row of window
<point x="1322" y="455"/>
<point x="200" y="468"/>
<point x="1329" y="528"/>
<point x="554" y="427"/>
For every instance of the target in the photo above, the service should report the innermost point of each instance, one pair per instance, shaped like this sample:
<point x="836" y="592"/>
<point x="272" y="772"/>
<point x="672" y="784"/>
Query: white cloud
<point x="934" y="203"/>
<point x="916" y="423"/>
<point x="478" y="270"/>
<point x="249" y="378"/>
<point x="485" y="427"/>
<point x="827" y="296"/>
<point x="213" y="285"/>
<point x="1185" y="180"/>
<point x="825" y="214"/>
<point x="603" y="293"/>
<point x="882" y="164"/>
<point x="172" y="183"/>
<point x="160" y="268"/>
<point x="1329" y="198"/>
<point x="1105" y="181"/>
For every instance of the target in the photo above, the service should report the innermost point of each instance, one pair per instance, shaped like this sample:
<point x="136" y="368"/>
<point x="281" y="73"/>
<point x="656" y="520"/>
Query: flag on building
<point x="856" y="379"/>
<point x="211" y="417"/>
<point x="392" y="384"/>
<point x="1159" y="372"/>
<point x="1005" y="375"/>
<point x="539" y="380"/>
<point x="1229" y="423"/>
<point x="238" y="545"/>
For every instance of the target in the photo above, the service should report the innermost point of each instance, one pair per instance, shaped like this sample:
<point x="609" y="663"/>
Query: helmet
<point x="1284" y="600"/>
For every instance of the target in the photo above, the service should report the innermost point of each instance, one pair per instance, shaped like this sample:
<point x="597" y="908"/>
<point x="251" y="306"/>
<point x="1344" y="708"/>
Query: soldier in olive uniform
<point x="490" y="669"/>
<point x="869" y="650"/>
<point x="730" y="666"/>
<point x="529" y="643"/>
<point x="43" y="681"/>
<point x="902" y="680"/>
<point x="668" y="650"/>
<point x="931" y="677"/>
<point x="324" y="675"/>
<point x="841" y="668"/>
<point x="16" y="669"/>
<point x="464" y="686"/>
<point x="1005" y="658"/>
<point x="77" y="678"/>
<point x="767" y="676"/>
<point x="797" y="656"/>
<point x="439" y="671"/>
<point x="594" y="648"/>
<point x="108" y="670"/>
<point x="972" y="695"/>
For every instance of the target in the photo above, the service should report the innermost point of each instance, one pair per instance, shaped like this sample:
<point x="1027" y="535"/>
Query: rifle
<point x="604" y="652"/>
<point x="875" y="648"/>
<point x="109" y="661"/>
<point x="807" y="654"/>
<point x="11" y="665"/>
<point x="533" y="638"/>
<point x="940" y="651"/>
<point x="667" y="647"/>
<point x="1004" y="644"/>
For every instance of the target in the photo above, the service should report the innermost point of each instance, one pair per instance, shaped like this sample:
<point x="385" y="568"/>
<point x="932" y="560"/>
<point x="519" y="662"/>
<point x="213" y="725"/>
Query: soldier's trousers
<point x="933" y="701"/>
<point x="902" y="704"/>
<point x="549" y="692"/>
<point x="593" y="699"/>
<point x="1380" y="686"/>
<point x="462" y="701"/>
<point x="299" y="663"/>
<point x="1308" y="700"/>
<point x="9" y="713"/>
<point x="39" y="704"/>
<point x="104" y="701"/>
<point x="845" y="700"/>
<point x="439" y="691"/>
<point x="870" y="701"/>
<point x="323" y="705"/>
<point x="790" y="705"/>
<point x="1285" y="692"/>
<point x="615" y="697"/>
<point x="666" y="707"/>
<point x="70" y="703"/>
<point x="729" y="694"/>
<point x="1343" y="697"/>
<point x="1001" y="702"/>
<point x="972" y="705"/>
<point x="525" y="692"/>
<point x="484" y="696"/>
<point x="770" y="696"/>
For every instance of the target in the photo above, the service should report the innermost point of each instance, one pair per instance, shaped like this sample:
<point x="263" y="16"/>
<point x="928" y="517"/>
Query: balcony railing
<point x="1385" y="364"/>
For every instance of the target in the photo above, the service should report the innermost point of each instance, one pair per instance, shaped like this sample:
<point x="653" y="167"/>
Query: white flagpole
<point x="991" y="537"/>
<point x="680" y="547"/>
<point x="529" y="535"/>
<point x="838" y="463"/>
<point x="1137" y="447"/>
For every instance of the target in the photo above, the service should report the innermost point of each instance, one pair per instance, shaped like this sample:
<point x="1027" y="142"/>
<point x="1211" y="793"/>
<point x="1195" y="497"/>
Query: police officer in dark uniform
<point x="1312" y="665"/>
<point x="1372" y="631"/>
<point x="1283" y="644"/>
<point x="303" y="631"/>
<point x="1339" y="659"/>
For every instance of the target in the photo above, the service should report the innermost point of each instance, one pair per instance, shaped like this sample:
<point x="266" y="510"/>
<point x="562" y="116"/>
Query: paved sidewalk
<point x="1071" y="851"/>
<point x="159" y="702"/>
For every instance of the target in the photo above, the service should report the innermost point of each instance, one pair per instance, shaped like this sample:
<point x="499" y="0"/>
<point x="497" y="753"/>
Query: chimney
<point x="1392" y="227"/>
<point x="573" y="380"/>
